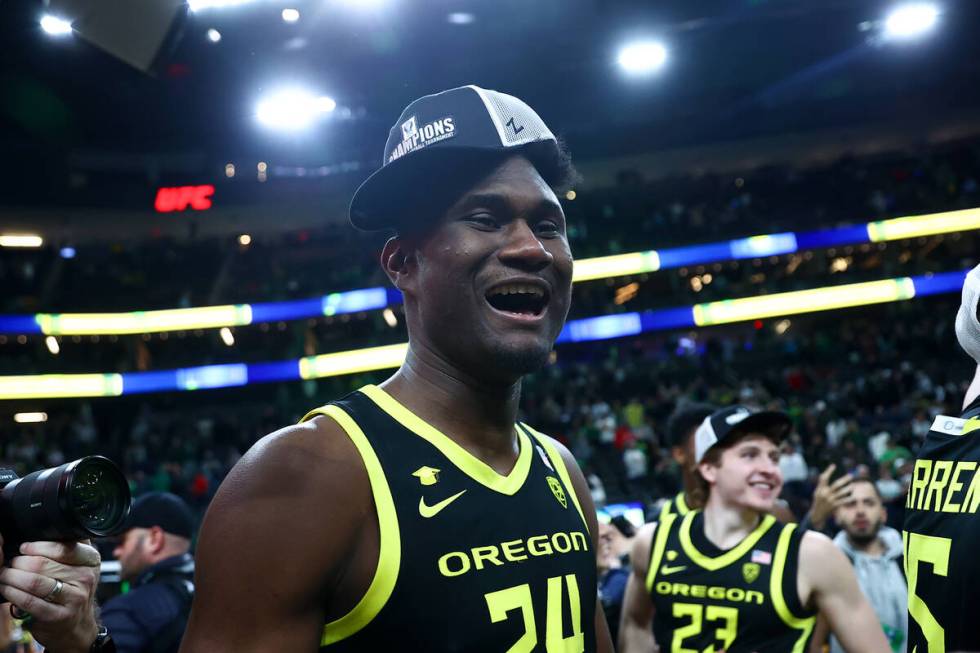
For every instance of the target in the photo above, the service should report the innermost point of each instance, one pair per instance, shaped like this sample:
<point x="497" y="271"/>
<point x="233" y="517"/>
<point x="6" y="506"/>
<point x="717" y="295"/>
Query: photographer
<point x="51" y="585"/>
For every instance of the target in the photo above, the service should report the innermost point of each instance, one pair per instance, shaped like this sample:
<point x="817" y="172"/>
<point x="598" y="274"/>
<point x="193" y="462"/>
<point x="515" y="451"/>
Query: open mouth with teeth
<point x="519" y="298"/>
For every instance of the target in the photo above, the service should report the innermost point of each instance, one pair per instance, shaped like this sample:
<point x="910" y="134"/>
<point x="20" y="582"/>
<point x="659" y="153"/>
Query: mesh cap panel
<point x="516" y="122"/>
<point x="967" y="325"/>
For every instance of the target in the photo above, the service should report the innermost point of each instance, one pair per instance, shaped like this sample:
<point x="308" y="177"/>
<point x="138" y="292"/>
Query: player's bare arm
<point x="636" y="625"/>
<point x="604" y="642"/>
<point x="827" y="581"/>
<point x="285" y="535"/>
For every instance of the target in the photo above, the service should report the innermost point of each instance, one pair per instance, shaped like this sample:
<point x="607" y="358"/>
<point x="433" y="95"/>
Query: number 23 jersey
<point x="942" y="537"/>
<point x="742" y="600"/>
<point x="470" y="560"/>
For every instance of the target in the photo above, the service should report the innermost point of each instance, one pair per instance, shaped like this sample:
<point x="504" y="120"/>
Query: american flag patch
<point x="762" y="557"/>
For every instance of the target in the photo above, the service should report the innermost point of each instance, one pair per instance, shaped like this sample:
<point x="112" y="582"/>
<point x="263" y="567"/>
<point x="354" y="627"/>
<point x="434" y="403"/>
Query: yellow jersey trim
<point x="389" y="554"/>
<point x="728" y="557"/>
<point x="657" y="549"/>
<point x="669" y="506"/>
<point x="559" y="464"/>
<point x="469" y="464"/>
<point x="776" y="592"/>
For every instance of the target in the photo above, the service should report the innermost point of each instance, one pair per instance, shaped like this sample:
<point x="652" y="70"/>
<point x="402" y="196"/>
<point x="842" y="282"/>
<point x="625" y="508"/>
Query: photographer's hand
<point x="55" y="583"/>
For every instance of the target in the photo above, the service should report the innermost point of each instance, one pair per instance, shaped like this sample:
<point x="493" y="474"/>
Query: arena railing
<point x="603" y="267"/>
<point x="44" y="386"/>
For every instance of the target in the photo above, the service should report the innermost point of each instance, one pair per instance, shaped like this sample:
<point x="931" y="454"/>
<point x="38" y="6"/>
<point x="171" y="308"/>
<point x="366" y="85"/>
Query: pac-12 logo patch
<point x="410" y="128"/>
<point x="557" y="490"/>
<point x="750" y="571"/>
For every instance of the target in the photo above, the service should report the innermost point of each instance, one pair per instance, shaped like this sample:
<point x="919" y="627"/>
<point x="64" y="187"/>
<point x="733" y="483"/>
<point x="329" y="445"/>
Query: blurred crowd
<point x="862" y="387"/>
<point x="635" y="214"/>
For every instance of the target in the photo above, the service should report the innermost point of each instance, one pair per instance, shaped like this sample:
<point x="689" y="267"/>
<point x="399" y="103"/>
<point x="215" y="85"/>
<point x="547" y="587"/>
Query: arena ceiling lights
<point x="368" y="299"/>
<point x="46" y="386"/>
<point x="642" y="57"/>
<point x="55" y="26"/>
<point x="908" y="21"/>
<point x="293" y="109"/>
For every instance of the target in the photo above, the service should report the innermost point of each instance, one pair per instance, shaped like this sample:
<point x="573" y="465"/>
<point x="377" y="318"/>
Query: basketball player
<point x="942" y="529"/>
<point x="681" y="425"/>
<point x="419" y="515"/>
<point x="730" y="577"/>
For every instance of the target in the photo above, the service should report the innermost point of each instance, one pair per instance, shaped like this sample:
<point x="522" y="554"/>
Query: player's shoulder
<point x="314" y="459"/>
<point x="819" y="556"/>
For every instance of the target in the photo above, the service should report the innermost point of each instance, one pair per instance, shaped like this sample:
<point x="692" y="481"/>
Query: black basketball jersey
<point x="741" y="600"/>
<point x="675" y="506"/>
<point x="942" y="537"/>
<point x="470" y="560"/>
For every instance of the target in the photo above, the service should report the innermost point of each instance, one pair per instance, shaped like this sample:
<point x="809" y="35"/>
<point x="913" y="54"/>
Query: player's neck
<point x="725" y="525"/>
<point x="478" y="416"/>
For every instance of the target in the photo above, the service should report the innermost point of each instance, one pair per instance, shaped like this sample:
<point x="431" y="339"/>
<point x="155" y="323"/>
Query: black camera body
<point x="85" y="498"/>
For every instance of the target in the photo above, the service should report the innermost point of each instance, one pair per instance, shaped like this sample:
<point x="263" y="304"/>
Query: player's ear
<point x="708" y="471"/>
<point x="399" y="260"/>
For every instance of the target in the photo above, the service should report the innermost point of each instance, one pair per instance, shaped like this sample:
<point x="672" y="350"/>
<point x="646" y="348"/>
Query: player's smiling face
<point x="492" y="284"/>
<point x="747" y="473"/>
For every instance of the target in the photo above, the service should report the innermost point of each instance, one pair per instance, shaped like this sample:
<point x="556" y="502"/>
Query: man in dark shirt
<point x="154" y="556"/>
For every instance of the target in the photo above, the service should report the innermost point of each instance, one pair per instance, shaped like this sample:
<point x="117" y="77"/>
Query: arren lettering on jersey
<point x="945" y="486"/>
<point x="457" y="563"/>
<point x="732" y="594"/>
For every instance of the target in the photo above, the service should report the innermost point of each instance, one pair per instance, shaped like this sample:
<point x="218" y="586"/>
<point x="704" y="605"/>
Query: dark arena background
<point x="778" y="203"/>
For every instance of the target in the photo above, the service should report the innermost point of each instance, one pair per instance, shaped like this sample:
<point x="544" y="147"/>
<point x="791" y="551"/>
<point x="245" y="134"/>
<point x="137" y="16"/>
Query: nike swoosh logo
<point x="433" y="510"/>
<point x="666" y="571"/>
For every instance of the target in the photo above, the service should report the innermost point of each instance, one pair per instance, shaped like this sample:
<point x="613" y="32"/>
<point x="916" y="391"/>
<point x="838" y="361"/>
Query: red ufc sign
<point x="182" y="197"/>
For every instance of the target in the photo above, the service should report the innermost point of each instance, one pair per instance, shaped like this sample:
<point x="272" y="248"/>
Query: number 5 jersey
<point x="470" y="560"/>
<point x="942" y="537"/>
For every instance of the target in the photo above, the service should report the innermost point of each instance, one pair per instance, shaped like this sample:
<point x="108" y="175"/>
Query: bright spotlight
<point x="227" y="336"/>
<point x="67" y="252"/>
<point x="290" y="15"/>
<point x="21" y="240"/>
<point x="911" y="20"/>
<point x="52" y="344"/>
<point x="642" y="57"/>
<point x="200" y="5"/>
<point x="214" y="35"/>
<point x="55" y="26"/>
<point x="30" y="418"/>
<point x="293" y="110"/>
<point x="460" y="18"/>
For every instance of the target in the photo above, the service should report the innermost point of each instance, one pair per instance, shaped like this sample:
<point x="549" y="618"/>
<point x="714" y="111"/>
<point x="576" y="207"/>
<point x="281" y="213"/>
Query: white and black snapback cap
<point x="968" y="317"/>
<point x="726" y="423"/>
<point x="433" y="132"/>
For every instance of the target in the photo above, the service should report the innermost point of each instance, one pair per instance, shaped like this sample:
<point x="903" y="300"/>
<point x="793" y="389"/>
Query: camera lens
<point x="85" y="498"/>
<point x="95" y="497"/>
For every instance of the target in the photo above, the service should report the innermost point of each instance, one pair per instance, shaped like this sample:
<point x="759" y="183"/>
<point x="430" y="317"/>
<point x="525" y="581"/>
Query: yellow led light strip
<point x="924" y="225"/>
<point x="175" y="319"/>
<point x="617" y="265"/>
<point x="350" y="362"/>
<point x="50" y="386"/>
<point x="804" y="301"/>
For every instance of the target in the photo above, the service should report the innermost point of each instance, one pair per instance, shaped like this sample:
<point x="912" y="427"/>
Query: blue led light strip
<point x="390" y="356"/>
<point x="366" y="299"/>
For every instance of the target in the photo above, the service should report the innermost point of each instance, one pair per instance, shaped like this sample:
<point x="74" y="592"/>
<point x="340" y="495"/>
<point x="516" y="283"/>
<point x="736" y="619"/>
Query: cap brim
<point x="384" y="199"/>
<point x="769" y="422"/>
